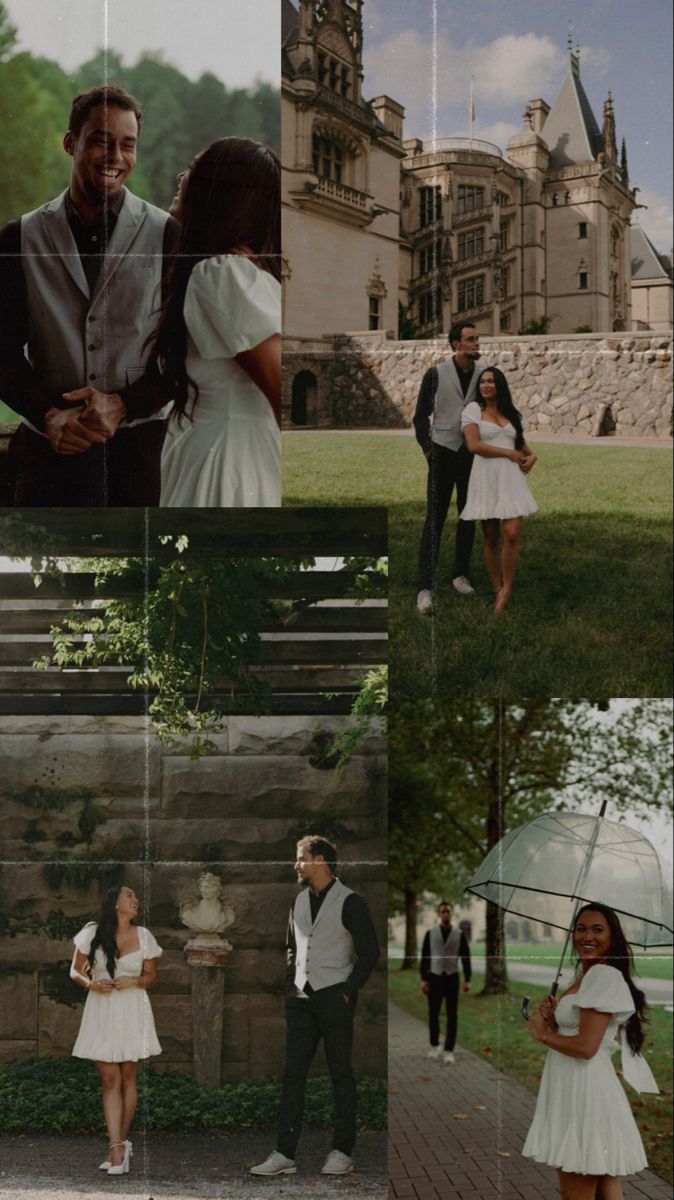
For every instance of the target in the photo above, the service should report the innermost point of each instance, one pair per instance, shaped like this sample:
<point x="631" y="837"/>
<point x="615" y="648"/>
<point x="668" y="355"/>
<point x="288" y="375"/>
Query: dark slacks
<point x="124" y="472"/>
<point x="443" y="988"/>
<point x="323" y="1014"/>
<point x="447" y="470"/>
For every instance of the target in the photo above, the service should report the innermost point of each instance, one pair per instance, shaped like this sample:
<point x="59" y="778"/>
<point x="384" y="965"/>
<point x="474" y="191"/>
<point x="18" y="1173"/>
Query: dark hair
<point x="107" y="928"/>
<point x="457" y="329"/>
<point x="504" y="403"/>
<point x="232" y="198"/>
<point x="108" y="94"/>
<point x="319" y="845"/>
<point x="445" y="904"/>
<point x="620" y="956"/>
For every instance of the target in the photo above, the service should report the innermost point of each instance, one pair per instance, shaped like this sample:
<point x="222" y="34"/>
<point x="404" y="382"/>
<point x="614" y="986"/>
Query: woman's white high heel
<point x="123" y="1167"/>
<point x="105" y="1166"/>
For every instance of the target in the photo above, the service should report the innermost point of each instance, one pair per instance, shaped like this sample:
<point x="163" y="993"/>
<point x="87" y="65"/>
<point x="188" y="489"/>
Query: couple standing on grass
<point x="331" y="950"/>
<point x="473" y="438"/>
<point x="142" y="349"/>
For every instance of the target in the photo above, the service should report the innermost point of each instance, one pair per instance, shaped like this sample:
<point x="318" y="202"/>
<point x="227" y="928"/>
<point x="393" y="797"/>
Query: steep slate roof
<point x="646" y="262"/>
<point x="290" y="21"/>
<point x="570" y="130"/>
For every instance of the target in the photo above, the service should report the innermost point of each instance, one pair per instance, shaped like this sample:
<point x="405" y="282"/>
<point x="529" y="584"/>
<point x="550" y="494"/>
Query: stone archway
<point x="304" y="403"/>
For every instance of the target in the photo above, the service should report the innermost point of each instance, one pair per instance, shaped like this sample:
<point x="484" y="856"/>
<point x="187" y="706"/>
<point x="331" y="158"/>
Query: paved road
<point x="455" y="1132"/>
<point x="658" y="991"/>
<point x="182" y="1166"/>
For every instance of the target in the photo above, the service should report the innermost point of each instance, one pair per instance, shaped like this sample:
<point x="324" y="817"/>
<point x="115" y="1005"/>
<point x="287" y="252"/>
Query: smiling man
<point x="80" y="282"/>
<point x="332" y="949"/>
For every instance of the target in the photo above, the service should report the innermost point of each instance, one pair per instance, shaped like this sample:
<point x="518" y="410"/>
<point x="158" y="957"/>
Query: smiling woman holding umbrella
<point x="583" y="1124"/>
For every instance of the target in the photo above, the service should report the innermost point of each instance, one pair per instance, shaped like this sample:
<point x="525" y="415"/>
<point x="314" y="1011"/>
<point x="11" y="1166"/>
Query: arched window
<point x="328" y="157"/>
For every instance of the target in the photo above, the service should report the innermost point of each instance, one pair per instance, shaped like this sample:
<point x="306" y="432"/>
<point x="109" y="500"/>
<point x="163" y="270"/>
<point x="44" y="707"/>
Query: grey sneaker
<point x="435" y="1052"/>
<point x="448" y="1057"/>
<point x="425" y="602"/>
<point x="276" y="1164"/>
<point x="337" y="1164"/>
<point x="463" y="585"/>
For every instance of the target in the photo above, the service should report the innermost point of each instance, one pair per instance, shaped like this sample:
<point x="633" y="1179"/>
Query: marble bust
<point x="209" y="915"/>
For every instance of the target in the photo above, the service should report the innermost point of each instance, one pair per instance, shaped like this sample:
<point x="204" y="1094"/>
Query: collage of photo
<point x="336" y="671"/>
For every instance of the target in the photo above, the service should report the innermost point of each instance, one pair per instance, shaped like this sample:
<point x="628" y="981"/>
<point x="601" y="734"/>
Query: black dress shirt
<point x="20" y="389"/>
<point x="357" y="920"/>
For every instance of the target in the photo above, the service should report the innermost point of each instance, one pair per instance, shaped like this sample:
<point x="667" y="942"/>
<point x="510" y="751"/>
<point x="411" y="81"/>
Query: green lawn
<point x="649" y="966"/>
<point x="591" y="611"/>
<point x="492" y="1027"/>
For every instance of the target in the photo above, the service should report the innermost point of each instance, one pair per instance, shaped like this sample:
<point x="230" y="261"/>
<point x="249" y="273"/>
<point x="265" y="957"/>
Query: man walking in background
<point x="332" y="949"/>
<point x="443" y="948"/>
<point x="445" y="391"/>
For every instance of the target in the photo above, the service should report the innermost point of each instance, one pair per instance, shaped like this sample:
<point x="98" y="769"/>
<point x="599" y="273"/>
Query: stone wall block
<point x="18" y="1007"/>
<point x="58" y="1027"/>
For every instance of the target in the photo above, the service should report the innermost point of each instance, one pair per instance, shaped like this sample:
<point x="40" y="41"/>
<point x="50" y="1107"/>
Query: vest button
<point x="91" y="347"/>
<point x="92" y="376"/>
<point x="90" y="318"/>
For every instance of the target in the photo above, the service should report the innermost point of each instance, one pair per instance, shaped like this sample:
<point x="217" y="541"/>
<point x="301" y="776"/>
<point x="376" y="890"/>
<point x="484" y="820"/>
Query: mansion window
<point x="582" y="281"/>
<point x="429" y="258"/>
<point x="334" y="74"/>
<point x="615" y="242"/>
<point x="502" y="198"/>
<point x="503" y="236"/>
<point x="505" y="322"/>
<point x="470" y="244"/>
<point x="374" y="312"/>
<point x="470" y="198"/>
<point x="328" y="158"/>
<point x="582" y="229"/>
<point x="506" y="281"/>
<point x="471" y="293"/>
<point x="430" y="205"/>
<point x="430" y="307"/>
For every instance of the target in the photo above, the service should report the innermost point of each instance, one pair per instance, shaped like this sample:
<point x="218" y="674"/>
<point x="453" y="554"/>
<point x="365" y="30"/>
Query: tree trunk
<point x="495" y="976"/>
<point x="410" y="955"/>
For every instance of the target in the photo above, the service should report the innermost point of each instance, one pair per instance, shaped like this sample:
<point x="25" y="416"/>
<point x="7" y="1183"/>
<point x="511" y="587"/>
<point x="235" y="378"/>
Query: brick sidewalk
<point x="455" y="1133"/>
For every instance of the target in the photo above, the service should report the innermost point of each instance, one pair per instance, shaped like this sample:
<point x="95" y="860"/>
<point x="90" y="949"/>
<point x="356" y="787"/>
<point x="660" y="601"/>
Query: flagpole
<point x="471" y="111"/>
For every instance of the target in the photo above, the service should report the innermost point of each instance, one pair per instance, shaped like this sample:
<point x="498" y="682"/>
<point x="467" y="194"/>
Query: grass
<point x="591" y="611"/>
<point x="648" y="966"/>
<point x="492" y="1027"/>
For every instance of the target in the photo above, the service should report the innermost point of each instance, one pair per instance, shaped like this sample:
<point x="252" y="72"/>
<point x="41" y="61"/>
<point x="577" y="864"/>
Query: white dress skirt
<point x="497" y="489"/>
<point x="583" y="1122"/>
<point x="117" y="1026"/>
<point x="229" y="454"/>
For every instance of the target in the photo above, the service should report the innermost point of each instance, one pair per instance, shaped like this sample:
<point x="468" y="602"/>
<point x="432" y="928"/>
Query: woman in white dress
<point x="498" y="495"/>
<point x="583" y="1124"/>
<point x="115" y="960"/>
<point x="216" y="353"/>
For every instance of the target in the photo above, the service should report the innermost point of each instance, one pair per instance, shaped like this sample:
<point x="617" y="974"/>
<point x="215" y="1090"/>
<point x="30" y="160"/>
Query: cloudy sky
<point x="423" y="54"/>
<point x="238" y="41"/>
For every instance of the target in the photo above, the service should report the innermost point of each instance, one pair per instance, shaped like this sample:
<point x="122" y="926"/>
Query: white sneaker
<point x="276" y="1164"/>
<point x="435" y="1052"/>
<point x="463" y="585"/>
<point x="337" y="1163"/>
<point x="448" y="1057"/>
<point x="425" y="602"/>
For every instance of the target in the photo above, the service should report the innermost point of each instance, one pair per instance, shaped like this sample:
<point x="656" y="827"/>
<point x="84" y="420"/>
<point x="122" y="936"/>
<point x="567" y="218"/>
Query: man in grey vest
<point x="445" y="391"/>
<point x="80" y="282"/>
<point x="332" y="949"/>
<point x="443" y="948"/>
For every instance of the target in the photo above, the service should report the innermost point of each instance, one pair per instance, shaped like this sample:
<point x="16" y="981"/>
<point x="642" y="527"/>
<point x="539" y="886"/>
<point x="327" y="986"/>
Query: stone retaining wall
<point x="577" y="384"/>
<point x="241" y="808"/>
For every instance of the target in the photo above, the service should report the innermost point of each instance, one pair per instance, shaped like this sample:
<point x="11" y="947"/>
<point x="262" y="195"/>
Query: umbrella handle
<point x="525" y="1008"/>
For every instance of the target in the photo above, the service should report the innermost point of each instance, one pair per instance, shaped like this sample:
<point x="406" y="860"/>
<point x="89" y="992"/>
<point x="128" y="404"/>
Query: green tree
<point x="474" y="770"/>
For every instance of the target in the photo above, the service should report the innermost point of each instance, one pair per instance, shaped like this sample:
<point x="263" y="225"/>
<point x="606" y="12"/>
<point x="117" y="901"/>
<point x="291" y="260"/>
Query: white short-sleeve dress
<point x="229" y="454"/>
<point x="583" y="1122"/>
<point x="117" y="1026"/>
<point x="497" y="489"/>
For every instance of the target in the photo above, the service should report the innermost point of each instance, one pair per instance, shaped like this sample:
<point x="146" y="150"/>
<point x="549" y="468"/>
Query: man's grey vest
<point x="325" y="951"/>
<point x="449" y="404"/>
<point x="76" y="338"/>
<point x="444" y="955"/>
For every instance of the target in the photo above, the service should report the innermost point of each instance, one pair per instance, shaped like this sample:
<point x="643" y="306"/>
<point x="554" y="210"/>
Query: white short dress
<point x="229" y="455"/>
<point x="117" y="1026"/>
<point x="496" y="488"/>
<point x="583" y="1122"/>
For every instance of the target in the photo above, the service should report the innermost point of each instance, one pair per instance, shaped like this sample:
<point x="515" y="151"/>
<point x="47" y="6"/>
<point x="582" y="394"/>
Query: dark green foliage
<point x="46" y="1095"/>
<point x="32" y="833"/>
<point x="81" y="870"/>
<point x="58" y="986"/>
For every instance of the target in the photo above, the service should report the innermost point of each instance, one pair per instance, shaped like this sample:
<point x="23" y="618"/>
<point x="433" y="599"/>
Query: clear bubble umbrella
<point x="547" y="869"/>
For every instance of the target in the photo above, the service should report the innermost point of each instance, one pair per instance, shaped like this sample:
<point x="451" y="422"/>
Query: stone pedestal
<point x="207" y="956"/>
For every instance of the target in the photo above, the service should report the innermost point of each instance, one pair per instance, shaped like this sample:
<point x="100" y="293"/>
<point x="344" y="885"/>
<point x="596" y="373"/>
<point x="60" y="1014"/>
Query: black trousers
<point x="124" y="472"/>
<point x="447" y="469"/>
<point x="323" y="1014"/>
<point x="443" y="987"/>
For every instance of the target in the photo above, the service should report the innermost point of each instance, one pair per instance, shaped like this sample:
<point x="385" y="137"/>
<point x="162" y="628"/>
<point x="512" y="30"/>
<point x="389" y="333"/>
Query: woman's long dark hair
<point x="620" y="957"/>
<point x="107" y="928"/>
<point x="504" y="403"/>
<point x="232" y="199"/>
